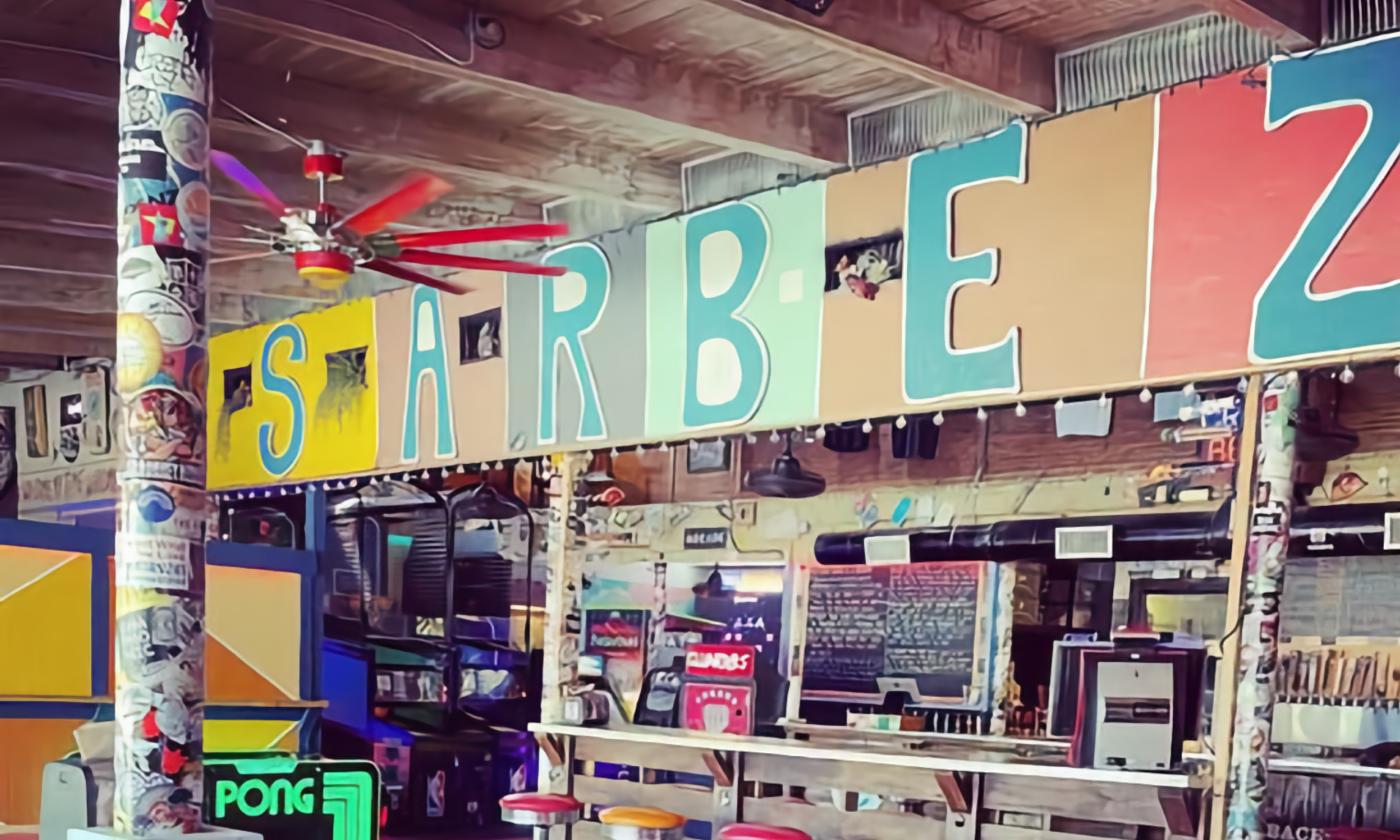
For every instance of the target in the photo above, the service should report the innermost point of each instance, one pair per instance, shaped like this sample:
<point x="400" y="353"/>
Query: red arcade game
<point x="718" y="689"/>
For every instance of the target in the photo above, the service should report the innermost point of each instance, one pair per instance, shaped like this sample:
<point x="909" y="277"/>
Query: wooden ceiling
<point x="602" y="100"/>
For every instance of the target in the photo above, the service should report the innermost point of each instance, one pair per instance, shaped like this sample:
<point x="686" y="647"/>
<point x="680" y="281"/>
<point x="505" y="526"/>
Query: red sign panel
<point x="717" y="707"/>
<point x="722" y="661"/>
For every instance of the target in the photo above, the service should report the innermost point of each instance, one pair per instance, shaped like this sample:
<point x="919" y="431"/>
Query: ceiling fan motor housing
<point x="324" y="269"/>
<point x="321" y="161"/>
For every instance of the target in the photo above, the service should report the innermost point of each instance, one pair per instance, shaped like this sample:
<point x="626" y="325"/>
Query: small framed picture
<point x="707" y="456"/>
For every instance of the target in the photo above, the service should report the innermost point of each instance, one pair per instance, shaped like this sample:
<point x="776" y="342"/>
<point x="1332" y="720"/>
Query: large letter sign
<point x="933" y="369"/>
<point x="277" y="463"/>
<point x="570" y="307"/>
<point x="427" y="356"/>
<point x="726" y="360"/>
<point x="1290" y="320"/>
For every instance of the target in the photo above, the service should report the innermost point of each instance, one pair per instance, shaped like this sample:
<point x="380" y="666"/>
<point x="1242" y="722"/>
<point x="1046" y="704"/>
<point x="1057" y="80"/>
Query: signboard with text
<point x="283" y="798"/>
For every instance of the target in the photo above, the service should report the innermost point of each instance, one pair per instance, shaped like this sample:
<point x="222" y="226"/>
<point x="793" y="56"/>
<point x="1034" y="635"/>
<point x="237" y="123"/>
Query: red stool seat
<point x="540" y="809"/>
<point x="757" y="831"/>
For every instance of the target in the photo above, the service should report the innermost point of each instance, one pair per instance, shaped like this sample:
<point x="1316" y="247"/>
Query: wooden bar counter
<point x="930" y="787"/>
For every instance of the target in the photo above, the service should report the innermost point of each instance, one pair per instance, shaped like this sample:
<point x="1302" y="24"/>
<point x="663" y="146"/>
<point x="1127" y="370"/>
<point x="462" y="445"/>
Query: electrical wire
<point x="260" y="124"/>
<point x="404" y="30"/>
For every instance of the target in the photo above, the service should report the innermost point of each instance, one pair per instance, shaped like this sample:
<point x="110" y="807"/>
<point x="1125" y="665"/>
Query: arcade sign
<point x="282" y="798"/>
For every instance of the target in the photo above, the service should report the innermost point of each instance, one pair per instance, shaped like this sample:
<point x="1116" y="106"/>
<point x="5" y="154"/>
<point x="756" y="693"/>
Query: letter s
<point x="277" y="463"/>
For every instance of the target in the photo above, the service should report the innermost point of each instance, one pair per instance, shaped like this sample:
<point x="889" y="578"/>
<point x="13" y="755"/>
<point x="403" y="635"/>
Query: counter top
<point x="947" y="757"/>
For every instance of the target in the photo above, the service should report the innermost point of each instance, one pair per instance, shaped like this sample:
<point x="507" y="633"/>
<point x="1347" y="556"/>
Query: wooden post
<point x="563" y="586"/>
<point x="1223" y="715"/>
<point x="1258" y="625"/>
<point x="162" y="249"/>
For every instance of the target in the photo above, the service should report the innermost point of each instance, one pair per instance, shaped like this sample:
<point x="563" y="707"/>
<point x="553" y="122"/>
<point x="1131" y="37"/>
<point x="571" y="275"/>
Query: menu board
<point x="923" y="622"/>
<point x="1331" y="597"/>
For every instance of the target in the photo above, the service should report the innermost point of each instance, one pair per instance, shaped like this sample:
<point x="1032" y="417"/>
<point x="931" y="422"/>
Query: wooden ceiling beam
<point x="17" y="340"/>
<point x="1295" y="24"/>
<point x="553" y="65"/>
<point x="380" y="132"/>
<point x="920" y="40"/>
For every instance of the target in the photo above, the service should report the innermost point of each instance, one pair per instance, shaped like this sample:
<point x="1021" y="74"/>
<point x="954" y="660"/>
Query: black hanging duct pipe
<point x="1328" y="530"/>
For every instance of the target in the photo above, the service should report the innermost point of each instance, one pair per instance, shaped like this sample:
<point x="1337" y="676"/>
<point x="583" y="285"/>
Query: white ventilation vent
<point x="1392" y="532"/>
<point x="731" y="175"/>
<point x="1090" y="543"/>
<point x="1183" y="51"/>
<point x="1348" y="20"/>
<point x="902" y="128"/>
<point x="889" y="550"/>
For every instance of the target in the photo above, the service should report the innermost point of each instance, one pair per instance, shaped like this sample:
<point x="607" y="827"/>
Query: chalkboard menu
<point x="919" y="621"/>
<point x="1330" y="597"/>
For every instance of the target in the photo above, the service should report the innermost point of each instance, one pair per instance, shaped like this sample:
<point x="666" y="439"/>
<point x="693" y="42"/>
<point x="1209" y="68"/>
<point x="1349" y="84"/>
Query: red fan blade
<point x="407" y="196"/>
<point x="438" y="238"/>
<point x="421" y="257"/>
<point x="244" y="177"/>
<point x="396" y="270"/>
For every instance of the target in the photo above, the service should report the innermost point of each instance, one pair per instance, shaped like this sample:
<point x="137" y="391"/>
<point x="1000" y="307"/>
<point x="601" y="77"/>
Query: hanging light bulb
<point x="774" y="437"/>
<point x="1347" y="376"/>
<point x="500" y="465"/>
<point x="867" y="427"/>
<point x="821" y="432"/>
<point x="1059" y="404"/>
<point x="1190" y="389"/>
<point x="1145" y="395"/>
<point x="981" y="414"/>
<point x="1397" y="369"/>
<point x="751" y="437"/>
<point x="695" y="444"/>
<point x="1242" y="385"/>
<point x="284" y="491"/>
<point x="612" y="453"/>
<point x="1103" y="399"/>
<point x="900" y="422"/>
<point x="424" y="476"/>
<point x="1020" y="409"/>
<point x="461" y="469"/>
<point x="938" y="419"/>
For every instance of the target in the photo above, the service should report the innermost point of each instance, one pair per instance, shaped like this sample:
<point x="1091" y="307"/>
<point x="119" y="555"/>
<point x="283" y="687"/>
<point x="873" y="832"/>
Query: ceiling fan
<point x="328" y="245"/>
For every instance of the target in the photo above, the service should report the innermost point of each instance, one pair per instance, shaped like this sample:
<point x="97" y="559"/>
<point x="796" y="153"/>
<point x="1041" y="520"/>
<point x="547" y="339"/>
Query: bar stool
<point x="759" y="831"/>
<point x="633" y="823"/>
<point x="540" y="811"/>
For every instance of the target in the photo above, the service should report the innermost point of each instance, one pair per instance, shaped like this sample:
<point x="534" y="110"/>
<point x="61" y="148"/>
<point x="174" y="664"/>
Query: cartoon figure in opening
<point x="865" y="273"/>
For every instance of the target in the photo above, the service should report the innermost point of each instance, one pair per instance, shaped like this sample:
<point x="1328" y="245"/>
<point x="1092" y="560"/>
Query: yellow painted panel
<point x="56" y="608"/>
<point x="256" y="614"/>
<point x="326" y="395"/>
<point x="19" y="566"/>
<point x="250" y="735"/>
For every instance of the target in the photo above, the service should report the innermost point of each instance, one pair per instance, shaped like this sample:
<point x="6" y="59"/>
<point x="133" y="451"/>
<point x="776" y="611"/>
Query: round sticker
<point x="192" y="207"/>
<point x="172" y="321"/>
<point x="154" y="504"/>
<point x="187" y="138"/>
<point x="138" y="350"/>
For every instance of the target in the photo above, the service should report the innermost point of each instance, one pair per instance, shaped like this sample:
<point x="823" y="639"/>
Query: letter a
<point x="427" y="357"/>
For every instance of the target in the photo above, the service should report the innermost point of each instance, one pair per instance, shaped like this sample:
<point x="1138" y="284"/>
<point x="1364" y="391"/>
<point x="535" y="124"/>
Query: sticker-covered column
<point x="1268" y="548"/>
<point x="162" y="245"/>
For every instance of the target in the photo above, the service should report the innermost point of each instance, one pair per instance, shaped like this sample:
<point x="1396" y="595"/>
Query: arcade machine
<point x="425" y="665"/>
<point x="718" y="692"/>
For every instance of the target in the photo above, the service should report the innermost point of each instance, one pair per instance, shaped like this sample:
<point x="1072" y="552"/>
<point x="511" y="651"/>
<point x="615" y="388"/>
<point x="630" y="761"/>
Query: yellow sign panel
<point x="294" y="400"/>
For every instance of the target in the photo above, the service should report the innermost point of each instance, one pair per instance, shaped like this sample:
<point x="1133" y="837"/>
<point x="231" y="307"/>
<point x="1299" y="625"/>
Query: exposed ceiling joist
<point x="543" y="63"/>
<point x="919" y="39"/>
<point x="1296" y="24"/>
<point x="370" y="130"/>
<point x="14" y="339"/>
